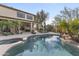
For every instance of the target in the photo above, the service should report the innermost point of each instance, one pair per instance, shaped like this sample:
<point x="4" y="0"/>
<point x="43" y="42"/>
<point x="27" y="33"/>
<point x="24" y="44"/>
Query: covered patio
<point x="15" y="25"/>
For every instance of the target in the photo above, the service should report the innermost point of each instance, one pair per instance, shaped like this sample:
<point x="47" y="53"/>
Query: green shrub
<point x="7" y="33"/>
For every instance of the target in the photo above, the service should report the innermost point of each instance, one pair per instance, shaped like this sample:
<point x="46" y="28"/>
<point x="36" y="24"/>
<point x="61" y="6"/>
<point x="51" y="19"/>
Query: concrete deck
<point x="5" y="47"/>
<point x="23" y="35"/>
<point x="15" y="36"/>
<point x="71" y="42"/>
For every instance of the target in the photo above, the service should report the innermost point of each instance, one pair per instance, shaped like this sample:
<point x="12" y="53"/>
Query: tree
<point x="1" y="26"/>
<point x="68" y="22"/>
<point x="37" y="20"/>
<point x="10" y="26"/>
<point x="74" y="26"/>
<point x="71" y="27"/>
<point x="62" y="26"/>
<point x="41" y="17"/>
<point x="49" y="28"/>
<point x="68" y="14"/>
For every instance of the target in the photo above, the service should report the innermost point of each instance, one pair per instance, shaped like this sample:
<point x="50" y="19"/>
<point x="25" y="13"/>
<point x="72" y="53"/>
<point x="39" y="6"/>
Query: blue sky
<point x="52" y="8"/>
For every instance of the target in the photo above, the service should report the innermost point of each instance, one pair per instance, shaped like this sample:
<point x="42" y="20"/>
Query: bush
<point x="7" y="33"/>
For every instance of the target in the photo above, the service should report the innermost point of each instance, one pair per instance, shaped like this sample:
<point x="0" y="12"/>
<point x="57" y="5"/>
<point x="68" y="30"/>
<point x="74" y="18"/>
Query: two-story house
<point x="13" y="14"/>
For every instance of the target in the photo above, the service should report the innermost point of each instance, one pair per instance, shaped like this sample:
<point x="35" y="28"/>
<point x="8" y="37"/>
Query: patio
<point x="6" y="46"/>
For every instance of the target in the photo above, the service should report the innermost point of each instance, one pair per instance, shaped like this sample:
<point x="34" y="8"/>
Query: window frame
<point x="20" y="14"/>
<point x="29" y="16"/>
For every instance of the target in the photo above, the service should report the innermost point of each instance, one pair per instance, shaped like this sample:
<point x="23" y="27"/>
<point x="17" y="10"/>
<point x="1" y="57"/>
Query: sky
<point x="53" y="9"/>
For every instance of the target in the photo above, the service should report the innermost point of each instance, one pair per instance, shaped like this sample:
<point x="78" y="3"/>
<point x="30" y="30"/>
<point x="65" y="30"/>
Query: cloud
<point x="49" y="21"/>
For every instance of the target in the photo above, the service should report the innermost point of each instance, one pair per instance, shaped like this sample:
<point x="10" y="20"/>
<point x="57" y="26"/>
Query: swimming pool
<point x="39" y="46"/>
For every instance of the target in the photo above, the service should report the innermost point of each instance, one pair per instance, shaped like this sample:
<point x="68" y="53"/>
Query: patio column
<point x="31" y="26"/>
<point x="19" y="26"/>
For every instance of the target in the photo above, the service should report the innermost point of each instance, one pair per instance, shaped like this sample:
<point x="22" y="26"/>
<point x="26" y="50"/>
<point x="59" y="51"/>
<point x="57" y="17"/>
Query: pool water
<point x="41" y="46"/>
<point x="44" y="46"/>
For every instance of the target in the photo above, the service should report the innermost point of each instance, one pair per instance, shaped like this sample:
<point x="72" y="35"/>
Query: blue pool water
<point x="44" y="46"/>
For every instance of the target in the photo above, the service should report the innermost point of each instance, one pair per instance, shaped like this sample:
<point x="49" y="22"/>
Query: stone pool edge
<point x="5" y="47"/>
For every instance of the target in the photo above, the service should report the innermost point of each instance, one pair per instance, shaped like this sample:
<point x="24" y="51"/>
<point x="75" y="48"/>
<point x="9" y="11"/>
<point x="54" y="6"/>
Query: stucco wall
<point x="10" y="13"/>
<point x="7" y="12"/>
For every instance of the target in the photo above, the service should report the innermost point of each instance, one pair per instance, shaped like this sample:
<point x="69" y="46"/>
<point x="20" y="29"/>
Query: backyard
<point x="37" y="38"/>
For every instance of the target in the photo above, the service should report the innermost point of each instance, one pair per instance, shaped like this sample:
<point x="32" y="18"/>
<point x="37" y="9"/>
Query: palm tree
<point x="63" y="26"/>
<point x="13" y="25"/>
<point x="17" y="24"/>
<point x="5" y="24"/>
<point x="71" y="27"/>
<point x="10" y="25"/>
<point x="70" y="24"/>
<point x="1" y="26"/>
<point x="74" y="26"/>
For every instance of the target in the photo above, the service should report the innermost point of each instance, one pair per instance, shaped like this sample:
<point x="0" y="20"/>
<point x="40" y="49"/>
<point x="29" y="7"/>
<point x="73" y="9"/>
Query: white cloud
<point x="49" y="21"/>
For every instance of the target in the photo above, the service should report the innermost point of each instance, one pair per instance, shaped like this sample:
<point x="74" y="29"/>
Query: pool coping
<point x="24" y="35"/>
<point x="5" y="47"/>
<point x="71" y="42"/>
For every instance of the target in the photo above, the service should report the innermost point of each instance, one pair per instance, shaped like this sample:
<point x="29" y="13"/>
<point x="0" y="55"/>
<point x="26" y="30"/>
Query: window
<point x="29" y="16"/>
<point x="21" y="14"/>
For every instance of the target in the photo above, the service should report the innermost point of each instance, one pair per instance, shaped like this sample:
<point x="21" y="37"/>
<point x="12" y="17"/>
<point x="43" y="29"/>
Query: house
<point x="9" y="13"/>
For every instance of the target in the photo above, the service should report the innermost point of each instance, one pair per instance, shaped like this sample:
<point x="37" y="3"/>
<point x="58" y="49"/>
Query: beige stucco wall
<point x="10" y="13"/>
<point x="7" y="12"/>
